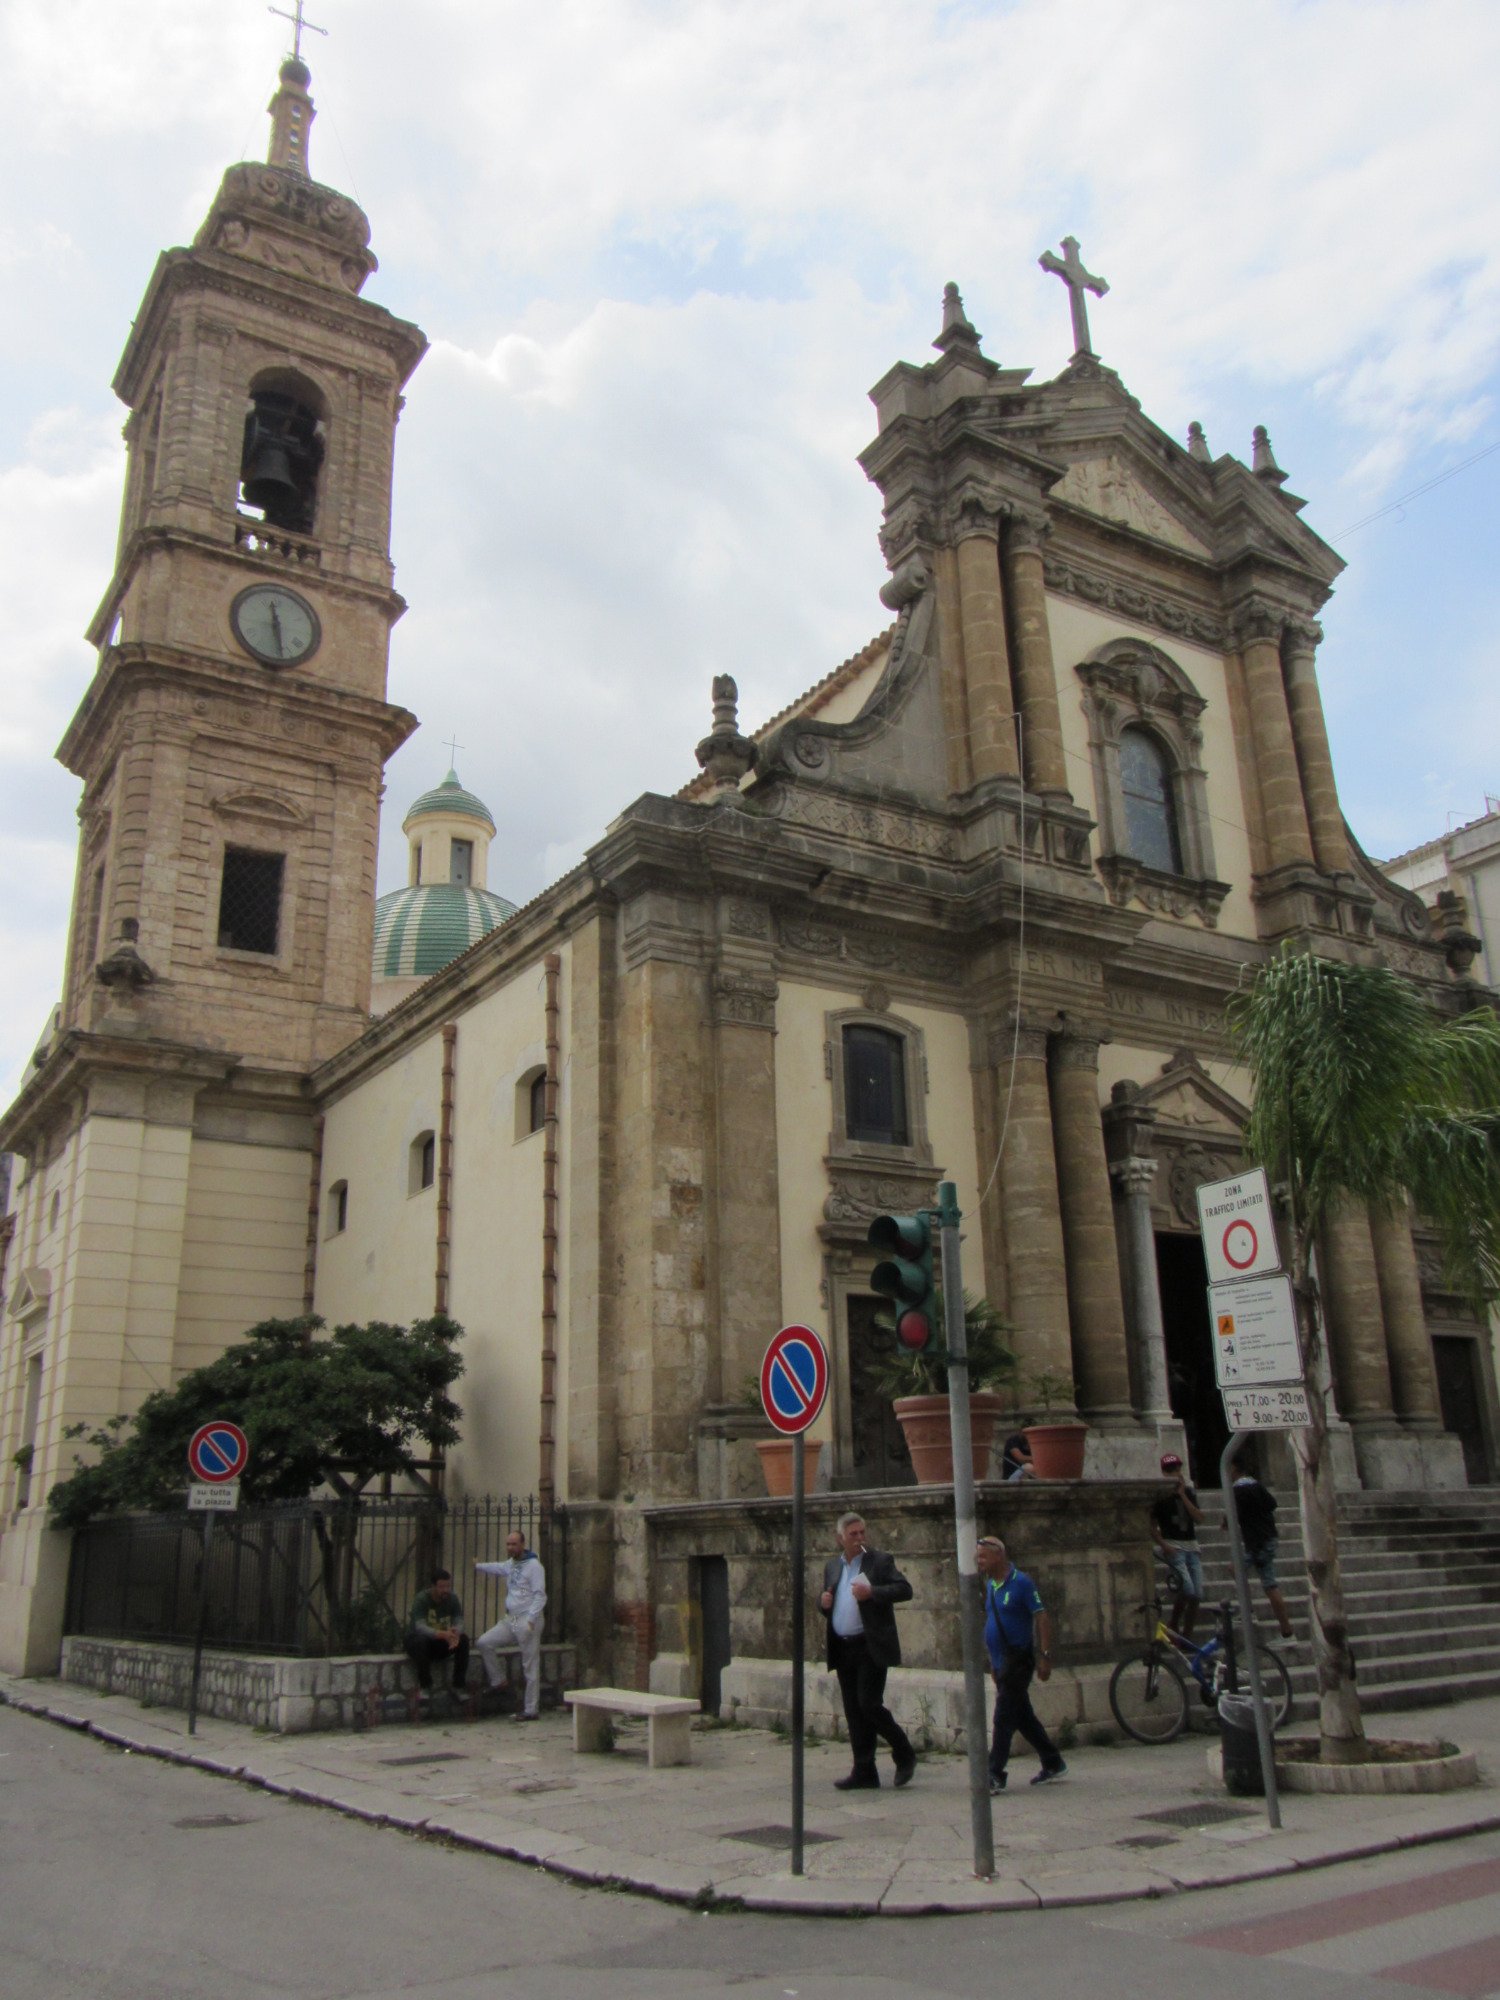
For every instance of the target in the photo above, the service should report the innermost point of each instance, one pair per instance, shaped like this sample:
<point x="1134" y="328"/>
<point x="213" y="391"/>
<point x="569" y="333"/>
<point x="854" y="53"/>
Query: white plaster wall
<point x="804" y="1123"/>
<point x="1078" y="631"/>
<point x="382" y="1266"/>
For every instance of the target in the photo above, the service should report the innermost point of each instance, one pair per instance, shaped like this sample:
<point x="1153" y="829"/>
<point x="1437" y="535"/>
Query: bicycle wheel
<point x="1149" y="1698"/>
<point x="1275" y="1681"/>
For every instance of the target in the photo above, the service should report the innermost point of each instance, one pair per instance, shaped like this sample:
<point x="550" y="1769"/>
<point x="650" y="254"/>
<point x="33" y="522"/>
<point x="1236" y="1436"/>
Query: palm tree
<point x="1363" y="1093"/>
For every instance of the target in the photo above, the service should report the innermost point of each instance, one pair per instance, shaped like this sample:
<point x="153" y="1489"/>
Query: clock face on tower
<point x="275" y="624"/>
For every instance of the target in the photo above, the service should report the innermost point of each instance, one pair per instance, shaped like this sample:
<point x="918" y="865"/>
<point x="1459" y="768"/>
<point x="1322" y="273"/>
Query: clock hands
<point x="276" y="631"/>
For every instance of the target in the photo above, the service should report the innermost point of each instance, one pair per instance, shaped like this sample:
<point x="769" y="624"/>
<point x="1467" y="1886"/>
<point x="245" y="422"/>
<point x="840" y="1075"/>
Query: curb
<point x="600" y="1868"/>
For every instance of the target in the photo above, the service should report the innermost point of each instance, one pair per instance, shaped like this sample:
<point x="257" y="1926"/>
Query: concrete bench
<point x="668" y="1740"/>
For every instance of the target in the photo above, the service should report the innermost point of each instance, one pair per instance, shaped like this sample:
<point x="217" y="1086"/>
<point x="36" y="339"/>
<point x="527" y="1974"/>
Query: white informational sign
<point x="1238" y="1228"/>
<point x="1254" y="1326"/>
<point x="214" y="1499"/>
<point x="1266" y="1409"/>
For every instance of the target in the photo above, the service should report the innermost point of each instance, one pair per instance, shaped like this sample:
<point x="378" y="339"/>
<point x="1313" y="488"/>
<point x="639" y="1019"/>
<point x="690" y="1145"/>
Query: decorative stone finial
<point x="292" y="115"/>
<point x="1263" y="460"/>
<point x="1198" y="444"/>
<point x="124" y="966"/>
<point x="958" y="328"/>
<point x="1069" y="267"/>
<point x="1460" y="946"/>
<point x="724" y="754"/>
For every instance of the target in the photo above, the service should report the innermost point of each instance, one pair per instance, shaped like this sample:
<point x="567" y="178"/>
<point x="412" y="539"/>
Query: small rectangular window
<point x="875" y="1087"/>
<point x="461" y="862"/>
<point x="250" y="901"/>
<point x="338" y="1208"/>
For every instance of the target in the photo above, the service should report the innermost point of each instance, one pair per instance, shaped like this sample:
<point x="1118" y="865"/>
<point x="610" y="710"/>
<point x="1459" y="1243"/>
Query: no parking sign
<point x="794" y="1379"/>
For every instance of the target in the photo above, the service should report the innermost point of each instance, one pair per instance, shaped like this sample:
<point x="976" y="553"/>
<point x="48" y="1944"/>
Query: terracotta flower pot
<point x="1057" y="1449"/>
<point x="776" y="1465"/>
<point x="929" y="1436"/>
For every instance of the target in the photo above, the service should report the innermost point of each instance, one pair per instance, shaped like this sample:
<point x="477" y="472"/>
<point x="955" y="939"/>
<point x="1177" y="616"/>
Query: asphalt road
<point x="128" y="1879"/>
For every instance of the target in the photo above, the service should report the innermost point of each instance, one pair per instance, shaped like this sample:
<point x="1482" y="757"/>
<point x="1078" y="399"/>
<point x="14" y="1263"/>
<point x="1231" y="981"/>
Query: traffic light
<point x="905" y="1277"/>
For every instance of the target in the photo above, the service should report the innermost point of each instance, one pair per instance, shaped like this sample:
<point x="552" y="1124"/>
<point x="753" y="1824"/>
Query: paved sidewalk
<point x="716" y="1833"/>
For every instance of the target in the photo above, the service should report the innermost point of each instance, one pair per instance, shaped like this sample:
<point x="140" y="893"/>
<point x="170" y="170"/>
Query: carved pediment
<point x="1187" y="1100"/>
<point x="1111" y="488"/>
<point x="32" y="1295"/>
<point x="275" y="808"/>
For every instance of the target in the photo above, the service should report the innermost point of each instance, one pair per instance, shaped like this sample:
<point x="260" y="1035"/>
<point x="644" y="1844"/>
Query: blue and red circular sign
<point x="794" y="1379"/>
<point x="219" y="1452"/>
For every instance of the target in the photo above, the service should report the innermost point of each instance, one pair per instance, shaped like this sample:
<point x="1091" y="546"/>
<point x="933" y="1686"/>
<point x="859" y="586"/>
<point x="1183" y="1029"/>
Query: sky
<point x="663" y="248"/>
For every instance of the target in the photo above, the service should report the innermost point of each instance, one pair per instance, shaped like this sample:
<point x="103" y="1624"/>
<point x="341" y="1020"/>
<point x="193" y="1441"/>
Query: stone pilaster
<point x="1132" y="1180"/>
<point x="1283" y="814"/>
<point x="1310" y="735"/>
<point x="992" y="722"/>
<point x="1036" y="1262"/>
<point x="1095" y="1309"/>
<point x="746" y="1222"/>
<point x="951" y="667"/>
<point x="1036" y="674"/>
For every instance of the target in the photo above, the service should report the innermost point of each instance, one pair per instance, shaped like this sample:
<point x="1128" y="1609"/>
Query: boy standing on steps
<point x="1256" y="1508"/>
<point x="1018" y="1638"/>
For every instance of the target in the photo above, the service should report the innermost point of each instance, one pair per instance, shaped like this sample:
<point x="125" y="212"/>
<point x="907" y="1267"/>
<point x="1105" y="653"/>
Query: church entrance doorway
<point x="877" y="1450"/>
<point x="1182" y="1277"/>
<point x="1461" y="1399"/>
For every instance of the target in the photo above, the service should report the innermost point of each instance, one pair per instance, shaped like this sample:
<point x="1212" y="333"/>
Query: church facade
<point x="970" y="910"/>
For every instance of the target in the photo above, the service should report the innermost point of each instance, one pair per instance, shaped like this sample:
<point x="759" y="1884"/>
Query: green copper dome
<point x="419" y="931"/>
<point x="450" y="797"/>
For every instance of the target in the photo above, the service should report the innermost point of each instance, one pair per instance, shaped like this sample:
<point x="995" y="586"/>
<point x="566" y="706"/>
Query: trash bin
<point x="1242" y="1772"/>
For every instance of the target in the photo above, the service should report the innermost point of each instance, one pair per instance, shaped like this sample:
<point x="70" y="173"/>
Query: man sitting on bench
<point x="435" y="1630"/>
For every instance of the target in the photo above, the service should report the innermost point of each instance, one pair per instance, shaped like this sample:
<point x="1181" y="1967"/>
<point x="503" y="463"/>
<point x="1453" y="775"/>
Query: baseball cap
<point x="1170" y="1462"/>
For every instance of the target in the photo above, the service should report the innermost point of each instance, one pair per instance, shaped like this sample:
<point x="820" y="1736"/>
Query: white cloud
<point x="664" y="246"/>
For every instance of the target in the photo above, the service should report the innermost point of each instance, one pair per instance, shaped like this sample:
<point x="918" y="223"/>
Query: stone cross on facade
<point x="1069" y="267"/>
<point x="298" y="24"/>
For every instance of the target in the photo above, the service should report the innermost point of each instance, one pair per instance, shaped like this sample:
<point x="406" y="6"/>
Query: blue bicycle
<point x="1148" y="1691"/>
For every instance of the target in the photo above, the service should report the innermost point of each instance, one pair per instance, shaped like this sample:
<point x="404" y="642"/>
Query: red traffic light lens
<point x="913" y="1331"/>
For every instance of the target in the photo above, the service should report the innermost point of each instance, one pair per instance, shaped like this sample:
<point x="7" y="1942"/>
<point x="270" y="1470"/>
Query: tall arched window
<point x="1150" y="811"/>
<point x="875" y="1086"/>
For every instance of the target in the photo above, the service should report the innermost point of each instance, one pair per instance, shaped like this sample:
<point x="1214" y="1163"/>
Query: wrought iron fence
<point x="303" y="1577"/>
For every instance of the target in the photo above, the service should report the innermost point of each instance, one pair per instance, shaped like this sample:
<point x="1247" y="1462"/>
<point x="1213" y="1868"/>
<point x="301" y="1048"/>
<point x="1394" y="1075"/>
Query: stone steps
<point x="1422" y="1588"/>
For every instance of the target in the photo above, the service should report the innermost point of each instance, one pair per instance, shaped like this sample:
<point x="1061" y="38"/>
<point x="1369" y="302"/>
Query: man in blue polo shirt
<point x="1018" y="1636"/>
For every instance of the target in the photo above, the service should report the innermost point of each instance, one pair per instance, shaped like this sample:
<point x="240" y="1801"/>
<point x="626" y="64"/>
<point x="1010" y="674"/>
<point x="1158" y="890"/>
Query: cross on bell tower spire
<point x="1069" y="267"/>
<point x="298" y="24"/>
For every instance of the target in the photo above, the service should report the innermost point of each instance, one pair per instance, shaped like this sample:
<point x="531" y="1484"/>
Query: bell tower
<point x="232" y="742"/>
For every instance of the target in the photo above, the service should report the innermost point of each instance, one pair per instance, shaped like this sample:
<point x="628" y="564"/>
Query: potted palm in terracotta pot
<point x="1058" y="1436"/>
<point x="917" y="1383"/>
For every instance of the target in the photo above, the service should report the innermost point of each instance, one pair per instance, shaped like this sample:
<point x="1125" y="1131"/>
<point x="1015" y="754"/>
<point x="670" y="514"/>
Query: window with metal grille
<point x="250" y="901"/>
<point x="875" y="1087"/>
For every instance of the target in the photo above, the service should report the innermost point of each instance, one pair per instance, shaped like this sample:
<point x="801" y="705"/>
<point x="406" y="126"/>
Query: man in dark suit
<point x="861" y="1588"/>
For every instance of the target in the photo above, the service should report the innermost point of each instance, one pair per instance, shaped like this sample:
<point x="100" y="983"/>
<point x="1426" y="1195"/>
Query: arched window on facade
<point x="875" y="1107"/>
<point x="1151" y="832"/>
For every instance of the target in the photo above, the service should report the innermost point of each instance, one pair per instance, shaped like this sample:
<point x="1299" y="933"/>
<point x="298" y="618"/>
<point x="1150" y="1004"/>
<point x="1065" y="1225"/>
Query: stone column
<point x="1352" y="1311"/>
<point x="992" y="722"/>
<point x="1310" y="735"/>
<point x="1133" y="1179"/>
<point x="1036" y="675"/>
<point x="950" y="645"/>
<point x="1095" y="1308"/>
<point x="1408" y="1348"/>
<point x="1283" y="814"/>
<point x="1036" y="1263"/>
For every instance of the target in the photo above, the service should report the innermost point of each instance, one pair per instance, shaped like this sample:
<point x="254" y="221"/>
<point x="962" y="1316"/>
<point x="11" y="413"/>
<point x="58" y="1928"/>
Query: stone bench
<point x="668" y="1738"/>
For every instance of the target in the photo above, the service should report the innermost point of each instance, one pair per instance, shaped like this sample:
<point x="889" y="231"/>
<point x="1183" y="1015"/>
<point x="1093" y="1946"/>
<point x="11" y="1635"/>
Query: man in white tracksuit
<point x="525" y="1598"/>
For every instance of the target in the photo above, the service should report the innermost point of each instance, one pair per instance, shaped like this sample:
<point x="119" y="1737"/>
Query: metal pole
<point x="970" y="1588"/>
<point x="1242" y="1591"/>
<point x="799" y="1619"/>
<point x="208" y="1536"/>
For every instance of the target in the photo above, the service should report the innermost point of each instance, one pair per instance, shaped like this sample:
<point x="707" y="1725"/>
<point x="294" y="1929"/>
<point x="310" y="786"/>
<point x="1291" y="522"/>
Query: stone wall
<point x="1087" y="1543"/>
<point x="287" y="1696"/>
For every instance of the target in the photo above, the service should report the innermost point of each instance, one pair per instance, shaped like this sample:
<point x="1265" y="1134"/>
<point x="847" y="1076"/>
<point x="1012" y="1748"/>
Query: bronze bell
<point x="268" y="480"/>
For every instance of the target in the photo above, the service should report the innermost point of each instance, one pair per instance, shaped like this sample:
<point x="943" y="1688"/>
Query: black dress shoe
<point x="858" y="1781"/>
<point x="905" y="1770"/>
